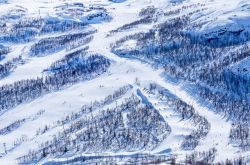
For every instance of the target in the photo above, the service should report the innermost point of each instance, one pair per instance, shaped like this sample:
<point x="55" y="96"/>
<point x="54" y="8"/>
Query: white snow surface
<point x="56" y="105"/>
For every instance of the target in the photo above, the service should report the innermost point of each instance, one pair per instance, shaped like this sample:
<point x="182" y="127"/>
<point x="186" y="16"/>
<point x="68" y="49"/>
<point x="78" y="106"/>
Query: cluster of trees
<point x="147" y="15"/>
<point x="27" y="90"/>
<point x="57" y="25"/>
<point x="156" y="41"/>
<point x="9" y="66"/>
<point x="22" y="29"/>
<point x="70" y="60"/>
<point x="144" y="20"/>
<point x="3" y="27"/>
<point x="98" y="16"/>
<point x="19" y="35"/>
<point x="186" y="112"/>
<point x="52" y="44"/>
<point x="227" y="104"/>
<point x="148" y="11"/>
<point x="107" y="130"/>
<point x="3" y="51"/>
<point x="77" y="43"/>
<point x="29" y="22"/>
<point x="240" y="134"/>
<point x="201" y="158"/>
<point x="238" y="82"/>
<point x="11" y="127"/>
<point x="240" y="161"/>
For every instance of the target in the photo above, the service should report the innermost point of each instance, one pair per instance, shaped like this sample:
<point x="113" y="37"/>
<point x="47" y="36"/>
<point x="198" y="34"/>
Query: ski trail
<point x="179" y="128"/>
<point x="218" y="135"/>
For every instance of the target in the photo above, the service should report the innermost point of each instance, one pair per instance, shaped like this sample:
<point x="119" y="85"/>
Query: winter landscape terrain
<point x="124" y="82"/>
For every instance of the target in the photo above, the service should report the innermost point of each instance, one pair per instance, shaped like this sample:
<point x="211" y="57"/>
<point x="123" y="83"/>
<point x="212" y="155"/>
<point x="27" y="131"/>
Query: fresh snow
<point x="122" y="72"/>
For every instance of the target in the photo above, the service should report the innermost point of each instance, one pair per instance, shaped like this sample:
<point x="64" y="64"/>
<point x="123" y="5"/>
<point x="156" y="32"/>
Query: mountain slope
<point x="124" y="82"/>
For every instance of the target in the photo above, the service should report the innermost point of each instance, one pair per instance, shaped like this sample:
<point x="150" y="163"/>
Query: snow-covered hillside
<point x="124" y="82"/>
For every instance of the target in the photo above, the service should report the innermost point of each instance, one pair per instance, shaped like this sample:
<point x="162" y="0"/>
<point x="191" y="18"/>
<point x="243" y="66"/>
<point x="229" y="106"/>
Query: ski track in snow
<point x="179" y="128"/>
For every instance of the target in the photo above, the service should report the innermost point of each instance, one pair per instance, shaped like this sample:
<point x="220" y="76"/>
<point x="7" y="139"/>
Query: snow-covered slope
<point x="124" y="81"/>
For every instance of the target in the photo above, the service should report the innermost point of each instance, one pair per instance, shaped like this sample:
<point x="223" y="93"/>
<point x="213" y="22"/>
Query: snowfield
<point x="124" y="81"/>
